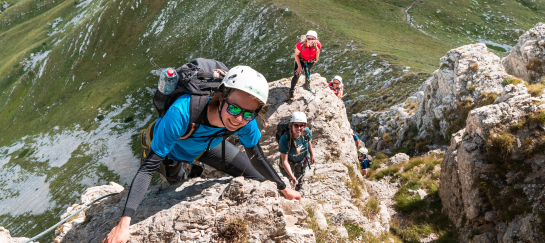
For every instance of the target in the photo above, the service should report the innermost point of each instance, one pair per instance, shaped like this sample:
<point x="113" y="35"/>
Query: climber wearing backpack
<point x="337" y="86"/>
<point x="230" y="109"/>
<point x="365" y="160"/>
<point x="307" y="52"/>
<point x="295" y="149"/>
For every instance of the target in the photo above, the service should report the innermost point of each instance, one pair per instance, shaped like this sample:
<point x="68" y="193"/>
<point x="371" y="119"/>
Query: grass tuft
<point x="536" y="90"/>
<point x="371" y="207"/>
<point x="236" y="231"/>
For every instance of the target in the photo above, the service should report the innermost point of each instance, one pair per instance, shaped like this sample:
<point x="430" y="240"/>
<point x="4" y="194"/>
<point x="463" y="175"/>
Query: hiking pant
<point x="236" y="164"/>
<point x="297" y="169"/>
<point x="306" y="68"/>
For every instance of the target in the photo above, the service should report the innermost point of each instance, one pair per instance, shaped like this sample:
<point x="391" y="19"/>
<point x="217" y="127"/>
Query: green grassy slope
<point x="496" y="22"/>
<point x="377" y="26"/>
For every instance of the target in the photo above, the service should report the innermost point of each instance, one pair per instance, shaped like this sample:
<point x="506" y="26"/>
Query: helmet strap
<point x="221" y="109"/>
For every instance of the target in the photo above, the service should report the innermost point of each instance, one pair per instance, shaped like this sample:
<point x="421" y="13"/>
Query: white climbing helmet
<point x="363" y="150"/>
<point x="298" y="117"/>
<point x="248" y="80"/>
<point x="338" y="78"/>
<point x="312" y="33"/>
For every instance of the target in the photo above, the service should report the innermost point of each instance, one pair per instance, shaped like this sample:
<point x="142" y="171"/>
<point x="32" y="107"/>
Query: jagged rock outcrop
<point x="493" y="174"/>
<point x="527" y="59"/>
<point x="200" y="209"/>
<point x="469" y="77"/>
<point x="5" y="237"/>
<point x="196" y="213"/>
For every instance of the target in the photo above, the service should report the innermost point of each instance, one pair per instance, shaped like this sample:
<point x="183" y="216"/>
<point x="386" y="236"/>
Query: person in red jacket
<point x="306" y="55"/>
<point x="337" y="86"/>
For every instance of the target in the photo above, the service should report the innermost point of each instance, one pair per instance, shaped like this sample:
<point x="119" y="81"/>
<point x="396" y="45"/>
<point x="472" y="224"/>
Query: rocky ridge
<point x="493" y="175"/>
<point x="5" y="237"/>
<point x="492" y="178"/>
<point x="207" y="209"/>
<point x="469" y="77"/>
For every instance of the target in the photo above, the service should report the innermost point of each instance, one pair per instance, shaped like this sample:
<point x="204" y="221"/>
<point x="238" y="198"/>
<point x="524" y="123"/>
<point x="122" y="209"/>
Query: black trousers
<point x="306" y="68"/>
<point x="236" y="164"/>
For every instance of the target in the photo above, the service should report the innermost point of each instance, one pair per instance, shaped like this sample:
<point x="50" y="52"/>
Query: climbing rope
<point x="67" y="218"/>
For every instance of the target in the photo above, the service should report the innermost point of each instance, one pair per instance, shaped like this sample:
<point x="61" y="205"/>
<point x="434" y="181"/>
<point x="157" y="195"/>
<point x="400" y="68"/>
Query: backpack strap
<point x="197" y="111"/>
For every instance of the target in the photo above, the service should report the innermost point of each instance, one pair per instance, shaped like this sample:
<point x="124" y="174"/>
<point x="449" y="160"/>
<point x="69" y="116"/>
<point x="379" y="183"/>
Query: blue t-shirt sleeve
<point x="249" y="135"/>
<point x="356" y="137"/>
<point x="283" y="144"/>
<point x="309" y="133"/>
<point x="172" y="126"/>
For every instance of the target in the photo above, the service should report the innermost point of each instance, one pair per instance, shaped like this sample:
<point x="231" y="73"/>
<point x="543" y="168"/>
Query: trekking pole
<point x="69" y="217"/>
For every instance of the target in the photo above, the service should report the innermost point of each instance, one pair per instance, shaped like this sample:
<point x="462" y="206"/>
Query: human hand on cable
<point x="294" y="180"/>
<point x="291" y="194"/>
<point x="120" y="233"/>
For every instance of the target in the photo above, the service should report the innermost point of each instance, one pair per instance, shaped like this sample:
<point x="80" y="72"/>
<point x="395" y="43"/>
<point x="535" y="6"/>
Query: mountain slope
<point x="75" y="81"/>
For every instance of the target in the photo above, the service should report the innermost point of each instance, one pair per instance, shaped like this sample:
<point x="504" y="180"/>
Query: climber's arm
<point x="140" y="183"/>
<point x="287" y="167"/>
<point x="260" y="163"/>
<point x="311" y="152"/>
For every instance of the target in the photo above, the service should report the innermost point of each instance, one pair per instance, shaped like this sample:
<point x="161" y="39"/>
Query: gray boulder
<point x="527" y="57"/>
<point x="398" y="159"/>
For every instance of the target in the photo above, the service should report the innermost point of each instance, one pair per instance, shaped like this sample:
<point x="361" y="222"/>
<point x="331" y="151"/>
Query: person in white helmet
<point x="337" y="86"/>
<point x="234" y="107"/>
<point x="296" y="150"/>
<point x="307" y="53"/>
<point x="365" y="160"/>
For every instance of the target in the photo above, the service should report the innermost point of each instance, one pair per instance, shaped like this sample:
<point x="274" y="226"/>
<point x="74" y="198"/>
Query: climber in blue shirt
<point x="234" y="107"/>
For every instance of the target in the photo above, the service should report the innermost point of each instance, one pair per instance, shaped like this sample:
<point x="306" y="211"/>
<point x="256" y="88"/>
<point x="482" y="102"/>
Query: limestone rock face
<point x="195" y="213"/>
<point x="200" y="209"/>
<point x="527" y="58"/>
<point x="470" y="76"/>
<point x="5" y="237"/>
<point x="398" y="159"/>
<point x="492" y="177"/>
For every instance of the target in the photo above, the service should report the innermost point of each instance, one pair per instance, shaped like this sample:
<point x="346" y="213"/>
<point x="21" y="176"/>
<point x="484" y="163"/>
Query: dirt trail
<point x="407" y="19"/>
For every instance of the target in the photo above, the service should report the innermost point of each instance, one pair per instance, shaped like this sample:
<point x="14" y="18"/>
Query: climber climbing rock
<point x="296" y="150"/>
<point x="365" y="160"/>
<point x="357" y="140"/>
<point x="307" y="52"/>
<point x="337" y="86"/>
<point x="233" y="107"/>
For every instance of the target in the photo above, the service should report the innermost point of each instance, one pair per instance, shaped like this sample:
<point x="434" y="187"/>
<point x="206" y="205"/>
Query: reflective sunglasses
<point x="336" y="83"/>
<point x="299" y="125"/>
<point x="311" y="38"/>
<point x="234" y="110"/>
